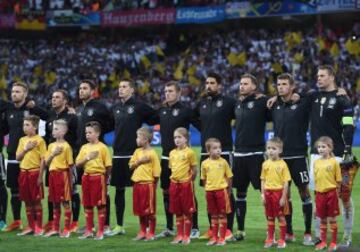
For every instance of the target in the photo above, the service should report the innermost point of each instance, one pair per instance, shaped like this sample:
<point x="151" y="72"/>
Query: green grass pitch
<point x="255" y="229"/>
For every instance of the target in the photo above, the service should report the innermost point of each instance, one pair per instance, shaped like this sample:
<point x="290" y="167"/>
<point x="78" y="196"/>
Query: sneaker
<point x="118" y="230"/>
<point x="186" y="240"/>
<point x="229" y="236"/>
<point x="268" y="243"/>
<point x="14" y="226"/>
<point x="316" y="241"/>
<point x="26" y="231"/>
<point x="221" y="242"/>
<point x="48" y="226"/>
<point x="38" y="231"/>
<point x="107" y="231"/>
<point x="51" y="233"/>
<point x="140" y="236"/>
<point x="290" y="238"/>
<point x="83" y="230"/>
<point x="2" y="225"/>
<point x="281" y="244"/>
<point x="166" y="233"/>
<point x="239" y="235"/>
<point x="86" y="234"/>
<point x="195" y="234"/>
<point x="212" y="242"/>
<point x="178" y="239"/>
<point x="307" y="241"/>
<point x="320" y="246"/>
<point x="206" y="235"/>
<point x="332" y="246"/>
<point x="99" y="236"/>
<point x="65" y="234"/>
<point x="74" y="227"/>
<point x="346" y="242"/>
<point x="150" y="237"/>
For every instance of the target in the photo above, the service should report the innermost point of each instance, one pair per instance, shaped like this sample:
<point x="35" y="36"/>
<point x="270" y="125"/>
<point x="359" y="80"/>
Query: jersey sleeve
<point x="193" y="161"/>
<point x="42" y="148"/>
<point x="286" y="173"/>
<point x="203" y="171"/>
<point x="69" y="155"/>
<point x="338" y="176"/>
<point x="106" y="157"/>
<point x="347" y="119"/>
<point x="20" y="147"/>
<point x="228" y="172"/>
<point x="133" y="158"/>
<point x="156" y="165"/>
<point x="263" y="172"/>
<point x="81" y="155"/>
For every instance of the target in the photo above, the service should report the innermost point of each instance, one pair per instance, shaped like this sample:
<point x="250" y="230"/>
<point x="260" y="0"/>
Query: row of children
<point x="216" y="175"/>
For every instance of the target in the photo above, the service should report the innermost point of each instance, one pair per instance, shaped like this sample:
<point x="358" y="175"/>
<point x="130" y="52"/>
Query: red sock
<point x="143" y="224"/>
<point x="214" y="227"/>
<point x="180" y="225"/>
<point x="56" y="217"/>
<point x="323" y="230"/>
<point x="152" y="224"/>
<point x="30" y="217"/>
<point x="282" y="225"/>
<point x="89" y="216"/>
<point x="270" y="229"/>
<point x="222" y="227"/>
<point x="67" y="217"/>
<point x="187" y="225"/>
<point x="334" y="229"/>
<point x="39" y="214"/>
<point x="101" y="218"/>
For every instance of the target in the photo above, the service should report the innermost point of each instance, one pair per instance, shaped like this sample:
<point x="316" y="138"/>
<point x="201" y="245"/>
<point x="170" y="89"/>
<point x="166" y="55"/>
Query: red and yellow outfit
<point x="29" y="190"/>
<point x="94" y="178"/>
<point x="327" y="174"/>
<point x="59" y="172"/>
<point x="181" y="189"/>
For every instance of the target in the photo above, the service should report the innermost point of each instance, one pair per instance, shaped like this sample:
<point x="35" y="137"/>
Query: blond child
<point x="182" y="163"/>
<point x="275" y="177"/>
<point x="146" y="169"/>
<point x="94" y="157"/>
<point x="31" y="152"/>
<point x="216" y="175"/>
<point x="327" y="174"/>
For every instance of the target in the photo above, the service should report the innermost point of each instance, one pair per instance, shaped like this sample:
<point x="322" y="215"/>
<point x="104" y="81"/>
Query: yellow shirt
<point x="62" y="161"/>
<point x="98" y="164"/>
<point x="215" y="172"/>
<point x="326" y="173"/>
<point x="33" y="157"/>
<point x="181" y="163"/>
<point x="275" y="174"/>
<point x="145" y="172"/>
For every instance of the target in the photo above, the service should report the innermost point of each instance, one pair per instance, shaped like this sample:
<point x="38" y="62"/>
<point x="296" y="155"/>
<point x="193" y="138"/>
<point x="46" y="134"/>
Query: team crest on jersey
<point x="238" y="106"/>
<point x="204" y="106"/>
<point x="293" y="107"/>
<point x="278" y="107"/>
<point x="323" y="100"/>
<point x="332" y="101"/>
<point x="130" y="109"/>
<point x="164" y="112"/>
<point x="11" y="116"/>
<point x="175" y="112"/>
<point x="90" y="112"/>
<point x="117" y="111"/>
<point x="250" y="105"/>
<point x="328" y="168"/>
<point x="219" y="103"/>
<point x="317" y="100"/>
<point x="26" y="113"/>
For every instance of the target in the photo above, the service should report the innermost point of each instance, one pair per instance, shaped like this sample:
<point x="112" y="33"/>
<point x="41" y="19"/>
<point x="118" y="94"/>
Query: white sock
<point x="317" y="221"/>
<point x="348" y="218"/>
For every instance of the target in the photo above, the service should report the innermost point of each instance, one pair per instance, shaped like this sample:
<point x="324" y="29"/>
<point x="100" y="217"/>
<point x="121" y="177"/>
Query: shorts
<point x="228" y="156"/>
<point x="59" y="186"/>
<point x="93" y="190"/>
<point x="165" y="173"/>
<point x="313" y="158"/>
<point x="144" y="199"/>
<point x="218" y="202"/>
<point x="12" y="174"/>
<point x="298" y="168"/>
<point x="247" y="169"/>
<point x="120" y="173"/>
<point x="348" y="173"/>
<point x="29" y="191"/>
<point x="182" y="198"/>
<point x="327" y="204"/>
<point x="272" y="203"/>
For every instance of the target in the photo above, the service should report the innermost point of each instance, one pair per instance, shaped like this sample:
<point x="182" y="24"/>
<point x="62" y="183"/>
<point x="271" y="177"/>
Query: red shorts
<point x="59" y="186"/>
<point x="28" y="188"/>
<point x="182" y="199"/>
<point x="93" y="190"/>
<point x="272" y="203"/>
<point x="327" y="204"/>
<point x="144" y="199"/>
<point x="218" y="202"/>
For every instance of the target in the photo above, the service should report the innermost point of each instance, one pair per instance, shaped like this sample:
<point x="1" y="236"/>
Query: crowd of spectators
<point x="61" y="63"/>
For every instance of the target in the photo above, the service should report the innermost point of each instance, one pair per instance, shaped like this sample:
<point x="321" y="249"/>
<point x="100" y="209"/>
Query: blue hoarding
<point x="200" y="15"/>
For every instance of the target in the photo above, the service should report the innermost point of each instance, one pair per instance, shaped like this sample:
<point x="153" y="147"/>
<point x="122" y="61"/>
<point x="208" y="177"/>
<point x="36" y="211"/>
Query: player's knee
<point x="241" y="196"/>
<point x="306" y="198"/>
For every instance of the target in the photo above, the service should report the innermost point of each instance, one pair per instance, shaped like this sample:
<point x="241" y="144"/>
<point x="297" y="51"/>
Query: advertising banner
<point x="70" y="18"/>
<point x="200" y="15"/>
<point x="30" y="20"/>
<point x="7" y="21"/>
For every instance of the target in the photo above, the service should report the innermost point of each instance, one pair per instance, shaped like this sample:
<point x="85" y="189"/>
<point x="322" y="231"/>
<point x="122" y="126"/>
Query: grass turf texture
<point x="255" y="229"/>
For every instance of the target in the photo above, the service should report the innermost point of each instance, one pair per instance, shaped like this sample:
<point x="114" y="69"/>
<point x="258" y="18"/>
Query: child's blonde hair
<point x="184" y="132"/>
<point x="327" y="141"/>
<point x="147" y="132"/>
<point x="61" y="122"/>
<point x="210" y="142"/>
<point x="33" y="119"/>
<point x="277" y="142"/>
